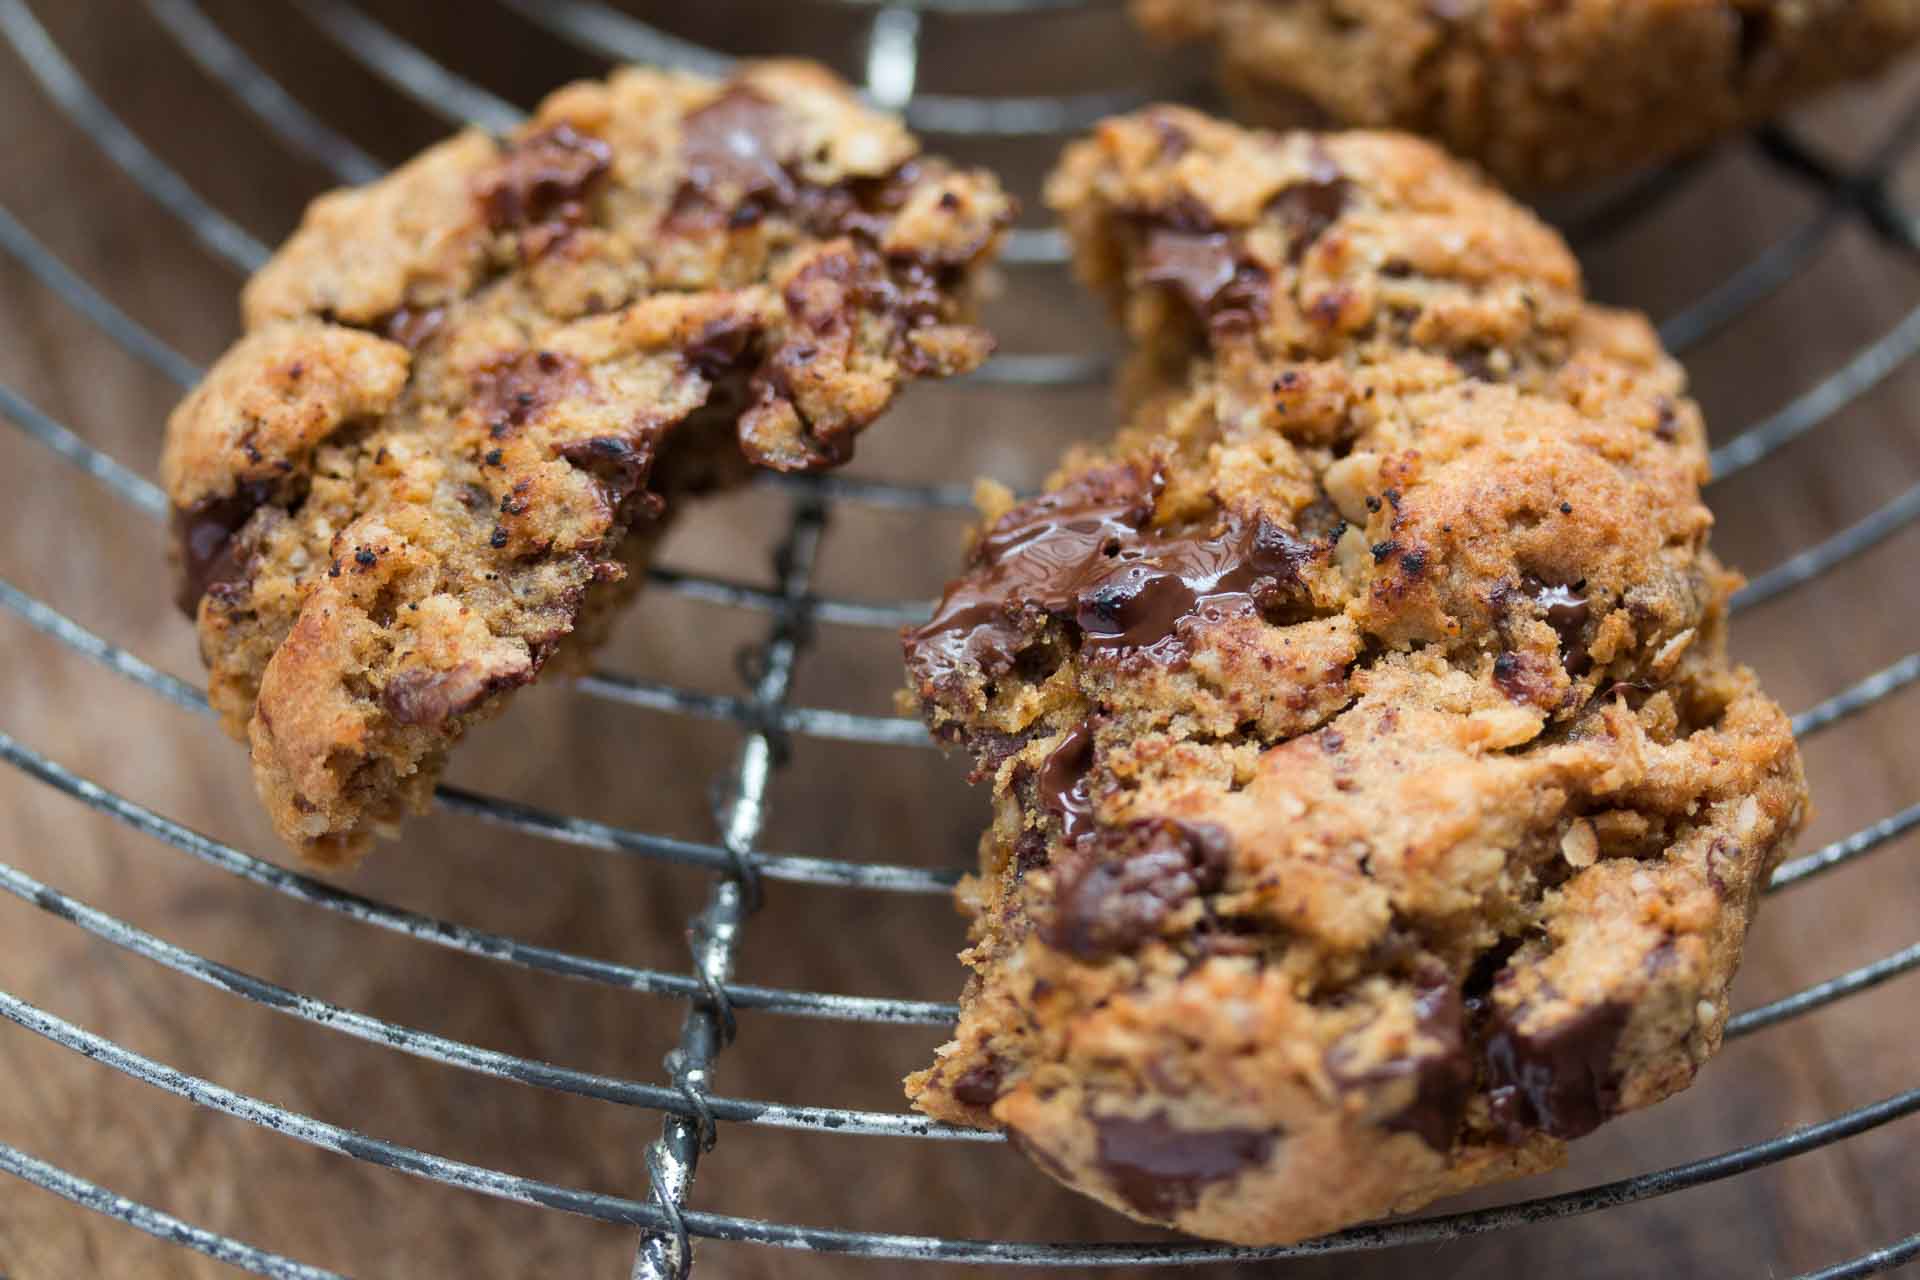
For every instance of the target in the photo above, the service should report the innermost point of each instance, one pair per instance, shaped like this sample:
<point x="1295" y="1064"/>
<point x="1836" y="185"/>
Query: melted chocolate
<point x="541" y="185"/>
<point x="730" y="146"/>
<point x="1160" y="1169"/>
<point x="1207" y="268"/>
<point x="1082" y="554"/>
<point x="1119" y="884"/>
<point x="1024" y="562"/>
<point x="1566" y="611"/>
<point x="1559" y="1081"/>
<point x="1198" y="264"/>
<point x="1443" y="1079"/>
<point x="1063" y="782"/>
<point x="733" y="151"/>
<point x="205" y="534"/>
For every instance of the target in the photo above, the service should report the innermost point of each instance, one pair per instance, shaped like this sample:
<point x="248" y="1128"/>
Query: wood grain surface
<point x="67" y="541"/>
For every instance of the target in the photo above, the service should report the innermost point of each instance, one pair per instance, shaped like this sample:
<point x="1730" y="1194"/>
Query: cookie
<point x="1543" y="94"/>
<point x="1374" y="806"/>
<point x="467" y="393"/>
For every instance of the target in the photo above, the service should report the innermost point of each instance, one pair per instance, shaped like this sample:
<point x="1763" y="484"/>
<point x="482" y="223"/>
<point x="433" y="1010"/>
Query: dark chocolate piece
<point x="979" y="1085"/>
<point x="737" y="174"/>
<point x="541" y="185"/>
<point x="731" y="145"/>
<point x="1160" y="1169"/>
<point x="1307" y="208"/>
<point x="1566" y="611"/>
<point x="205" y="534"/>
<point x="1561" y="1080"/>
<point x="978" y="622"/>
<point x="1198" y="264"/>
<point x="1083" y="555"/>
<point x="1117" y="886"/>
<point x="1063" y="782"/>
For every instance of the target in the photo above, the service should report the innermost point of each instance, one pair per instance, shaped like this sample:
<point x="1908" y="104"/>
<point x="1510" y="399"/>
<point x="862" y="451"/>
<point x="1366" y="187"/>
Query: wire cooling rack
<point x="771" y="727"/>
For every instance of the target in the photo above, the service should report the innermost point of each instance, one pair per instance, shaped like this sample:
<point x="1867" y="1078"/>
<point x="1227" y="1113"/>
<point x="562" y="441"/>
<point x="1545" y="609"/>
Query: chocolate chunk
<point x="731" y="150"/>
<point x="1198" y="264"/>
<point x="1119" y="884"/>
<point x="734" y="151"/>
<point x="1561" y="1080"/>
<point x="620" y="464"/>
<point x="1083" y="555"/>
<point x="1206" y="267"/>
<point x="541" y="185"/>
<point x="979" y="1085"/>
<point x="722" y="345"/>
<point x="1307" y="208"/>
<point x="1246" y="565"/>
<point x="860" y="207"/>
<point x="514" y="390"/>
<point x="412" y="327"/>
<point x="1160" y="1168"/>
<point x="1443" y="1076"/>
<point x="209" y="550"/>
<point x="1020" y="564"/>
<point x="1063" y="782"/>
<point x="1566" y="611"/>
<point x="431" y="698"/>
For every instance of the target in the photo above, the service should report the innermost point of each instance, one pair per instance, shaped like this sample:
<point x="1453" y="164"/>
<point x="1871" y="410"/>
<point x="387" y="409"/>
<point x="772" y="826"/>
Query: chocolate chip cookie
<point x="1541" y="93"/>
<point x="440" y="455"/>
<point x="1374" y="806"/>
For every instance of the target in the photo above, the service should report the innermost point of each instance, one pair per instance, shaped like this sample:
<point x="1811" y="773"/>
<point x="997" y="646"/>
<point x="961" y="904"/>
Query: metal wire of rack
<point x="691" y="1113"/>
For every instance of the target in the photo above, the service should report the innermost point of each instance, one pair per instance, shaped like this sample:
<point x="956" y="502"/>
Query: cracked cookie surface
<point x="1543" y="94"/>
<point x="1374" y="807"/>
<point x="440" y="455"/>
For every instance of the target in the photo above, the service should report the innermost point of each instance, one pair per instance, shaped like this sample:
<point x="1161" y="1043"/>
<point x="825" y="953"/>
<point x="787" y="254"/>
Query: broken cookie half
<point x="1374" y="806"/>
<point x="438" y="459"/>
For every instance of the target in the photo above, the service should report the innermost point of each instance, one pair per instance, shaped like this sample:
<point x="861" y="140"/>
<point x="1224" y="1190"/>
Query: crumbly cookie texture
<point x="1374" y="808"/>
<point x="439" y="456"/>
<point x="1541" y="93"/>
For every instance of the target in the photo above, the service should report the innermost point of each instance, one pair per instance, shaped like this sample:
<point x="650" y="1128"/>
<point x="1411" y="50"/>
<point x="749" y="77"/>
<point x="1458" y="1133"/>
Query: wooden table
<point x="69" y="542"/>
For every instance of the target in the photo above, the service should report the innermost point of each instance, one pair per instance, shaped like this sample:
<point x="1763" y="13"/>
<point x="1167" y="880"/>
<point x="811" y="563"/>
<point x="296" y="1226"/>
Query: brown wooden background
<point x="65" y="541"/>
